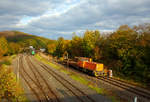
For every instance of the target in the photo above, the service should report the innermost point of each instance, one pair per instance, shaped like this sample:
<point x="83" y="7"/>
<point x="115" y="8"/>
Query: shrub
<point x="9" y="88"/>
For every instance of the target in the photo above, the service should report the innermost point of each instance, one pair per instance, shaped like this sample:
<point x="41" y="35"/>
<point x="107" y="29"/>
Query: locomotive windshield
<point x="82" y="59"/>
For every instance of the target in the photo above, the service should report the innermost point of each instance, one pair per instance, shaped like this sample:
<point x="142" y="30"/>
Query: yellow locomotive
<point x="87" y="65"/>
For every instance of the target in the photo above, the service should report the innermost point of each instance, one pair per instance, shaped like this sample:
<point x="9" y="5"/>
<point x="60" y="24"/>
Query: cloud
<point x="54" y="18"/>
<point x="23" y="7"/>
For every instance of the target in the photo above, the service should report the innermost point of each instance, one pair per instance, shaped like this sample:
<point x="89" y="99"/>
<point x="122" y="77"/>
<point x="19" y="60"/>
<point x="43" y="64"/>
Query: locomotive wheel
<point x="95" y="73"/>
<point x="84" y="69"/>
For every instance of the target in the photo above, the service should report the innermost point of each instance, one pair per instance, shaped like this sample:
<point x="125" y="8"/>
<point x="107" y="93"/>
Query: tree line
<point x="126" y="51"/>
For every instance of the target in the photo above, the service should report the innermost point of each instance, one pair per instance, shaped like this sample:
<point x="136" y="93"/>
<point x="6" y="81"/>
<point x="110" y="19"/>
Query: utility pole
<point x="135" y="99"/>
<point x="67" y="61"/>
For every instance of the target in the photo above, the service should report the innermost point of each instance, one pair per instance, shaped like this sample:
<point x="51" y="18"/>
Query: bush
<point x="9" y="88"/>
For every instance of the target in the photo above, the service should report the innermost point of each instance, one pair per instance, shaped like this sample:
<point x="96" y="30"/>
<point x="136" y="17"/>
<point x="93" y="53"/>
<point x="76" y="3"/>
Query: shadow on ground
<point x="67" y="98"/>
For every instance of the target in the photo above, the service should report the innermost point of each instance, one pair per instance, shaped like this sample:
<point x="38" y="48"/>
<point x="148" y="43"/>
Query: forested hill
<point x="25" y="39"/>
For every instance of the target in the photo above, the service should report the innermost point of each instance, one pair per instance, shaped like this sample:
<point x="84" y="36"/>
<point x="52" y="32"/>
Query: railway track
<point x="37" y="83"/>
<point x="46" y="97"/>
<point x="68" y="85"/>
<point x="29" y="81"/>
<point x="142" y="94"/>
<point x="49" y="94"/>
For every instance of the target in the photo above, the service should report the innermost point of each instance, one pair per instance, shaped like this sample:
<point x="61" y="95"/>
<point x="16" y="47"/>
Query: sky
<point x="60" y="18"/>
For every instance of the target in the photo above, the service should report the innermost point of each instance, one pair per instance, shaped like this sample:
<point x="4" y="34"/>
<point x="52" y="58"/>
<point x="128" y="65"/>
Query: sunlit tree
<point x="60" y="47"/>
<point x="51" y="48"/>
<point x="14" y="48"/>
<point x="3" y="46"/>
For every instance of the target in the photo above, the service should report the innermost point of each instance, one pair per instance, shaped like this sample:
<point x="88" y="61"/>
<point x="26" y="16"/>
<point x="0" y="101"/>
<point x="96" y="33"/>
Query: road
<point x="43" y="83"/>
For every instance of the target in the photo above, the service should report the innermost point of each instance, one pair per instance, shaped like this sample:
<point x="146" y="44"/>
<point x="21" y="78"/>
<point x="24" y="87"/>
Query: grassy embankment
<point x="78" y="78"/>
<point x="10" y="89"/>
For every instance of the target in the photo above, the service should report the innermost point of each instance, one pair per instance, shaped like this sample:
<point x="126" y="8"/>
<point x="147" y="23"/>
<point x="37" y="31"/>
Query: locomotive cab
<point x="86" y="64"/>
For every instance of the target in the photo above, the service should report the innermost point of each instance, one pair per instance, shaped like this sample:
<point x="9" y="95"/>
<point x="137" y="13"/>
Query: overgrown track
<point x="127" y="87"/>
<point x="50" y="96"/>
<point x="29" y="83"/>
<point x="67" y="84"/>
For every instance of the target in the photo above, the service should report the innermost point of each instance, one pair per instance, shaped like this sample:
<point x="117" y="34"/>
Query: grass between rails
<point x="10" y="89"/>
<point x="80" y="79"/>
<point x="77" y="78"/>
<point x="45" y="61"/>
<point x="64" y="71"/>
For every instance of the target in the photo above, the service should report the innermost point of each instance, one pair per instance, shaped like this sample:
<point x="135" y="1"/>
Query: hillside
<point x="25" y="39"/>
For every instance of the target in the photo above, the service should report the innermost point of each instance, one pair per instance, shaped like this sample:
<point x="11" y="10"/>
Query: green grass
<point x="86" y="82"/>
<point x="64" y="71"/>
<point x="13" y="56"/>
<point x="38" y="57"/>
<point x="79" y="79"/>
<point x="98" y="90"/>
<point x="53" y="65"/>
<point x="46" y="61"/>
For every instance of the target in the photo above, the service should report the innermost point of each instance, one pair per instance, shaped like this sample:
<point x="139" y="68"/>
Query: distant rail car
<point x="87" y="65"/>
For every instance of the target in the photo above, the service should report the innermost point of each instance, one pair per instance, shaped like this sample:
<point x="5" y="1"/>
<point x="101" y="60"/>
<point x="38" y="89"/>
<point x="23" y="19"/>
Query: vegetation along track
<point x="139" y="91"/>
<point x="67" y="84"/>
<point x="50" y="96"/>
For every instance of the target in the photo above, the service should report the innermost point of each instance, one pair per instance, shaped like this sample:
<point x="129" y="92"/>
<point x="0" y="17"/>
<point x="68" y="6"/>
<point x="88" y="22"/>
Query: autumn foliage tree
<point x="60" y="47"/>
<point x="14" y="48"/>
<point x="9" y="88"/>
<point x="75" y="46"/>
<point x="51" y="48"/>
<point x="126" y="51"/>
<point x="3" y="46"/>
